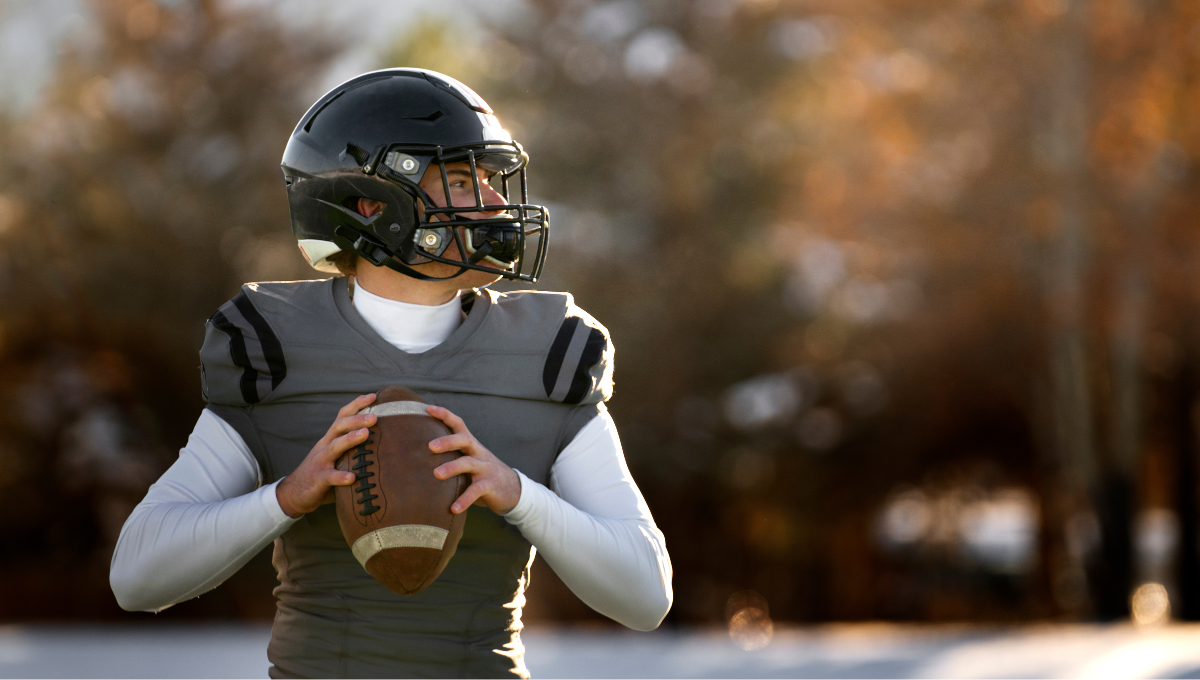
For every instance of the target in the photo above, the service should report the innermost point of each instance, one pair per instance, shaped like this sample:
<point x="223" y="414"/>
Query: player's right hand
<point x="311" y="484"/>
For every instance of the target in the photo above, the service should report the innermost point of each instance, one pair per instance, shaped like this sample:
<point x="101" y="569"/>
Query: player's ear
<point x="363" y="206"/>
<point x="369" y="206"/>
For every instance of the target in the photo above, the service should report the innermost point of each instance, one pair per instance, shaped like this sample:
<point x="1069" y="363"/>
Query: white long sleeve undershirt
<point x="198" y="524"/>
<point x="597" y="533"/>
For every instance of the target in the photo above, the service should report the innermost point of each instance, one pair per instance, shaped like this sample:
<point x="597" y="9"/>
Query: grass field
<point x="842" y="651"/>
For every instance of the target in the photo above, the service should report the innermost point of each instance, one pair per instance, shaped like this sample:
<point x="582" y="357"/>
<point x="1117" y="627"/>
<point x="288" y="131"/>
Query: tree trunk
<point x="1184" y="430"/>
<point x="1064" y="154"/>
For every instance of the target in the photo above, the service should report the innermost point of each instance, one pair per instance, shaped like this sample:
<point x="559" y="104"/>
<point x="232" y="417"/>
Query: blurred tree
<point x="901" y="290"/>
<point x="848" y="246"/>
<point x="136" y="197"/>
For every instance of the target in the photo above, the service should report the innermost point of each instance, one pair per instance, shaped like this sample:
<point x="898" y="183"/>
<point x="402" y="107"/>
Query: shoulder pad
<point x="579" y="364"/>
<point x="241" y="362"/>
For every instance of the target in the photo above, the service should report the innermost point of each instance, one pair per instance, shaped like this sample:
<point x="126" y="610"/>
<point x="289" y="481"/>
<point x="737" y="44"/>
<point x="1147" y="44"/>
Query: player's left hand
<point x="493" y="484"/>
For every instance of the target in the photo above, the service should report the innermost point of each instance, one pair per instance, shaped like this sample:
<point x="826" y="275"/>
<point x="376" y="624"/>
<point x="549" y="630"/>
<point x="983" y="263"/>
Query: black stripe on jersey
<point x="272" y="350"/>
<point x="237" y="350"/>
<point x="581" y="383"/>
<point x="558" y="352"/>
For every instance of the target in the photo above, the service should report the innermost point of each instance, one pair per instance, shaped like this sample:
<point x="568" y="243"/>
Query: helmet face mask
<point x="496" y="243"/>
<point x="377" y="136"/>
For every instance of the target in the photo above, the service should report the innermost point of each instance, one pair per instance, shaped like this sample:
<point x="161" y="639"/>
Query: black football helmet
<point x="375" y="136"/>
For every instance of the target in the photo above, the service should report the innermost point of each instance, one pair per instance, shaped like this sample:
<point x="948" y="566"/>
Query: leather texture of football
<point x="396" y="516"/>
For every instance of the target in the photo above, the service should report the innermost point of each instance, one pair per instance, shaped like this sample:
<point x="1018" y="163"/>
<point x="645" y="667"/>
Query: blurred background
<point x="904" y="292"/>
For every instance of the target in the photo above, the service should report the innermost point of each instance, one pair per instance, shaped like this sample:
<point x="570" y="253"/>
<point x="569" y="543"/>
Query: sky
<point x="30" y="35"/>
<point x="32" y="32"/>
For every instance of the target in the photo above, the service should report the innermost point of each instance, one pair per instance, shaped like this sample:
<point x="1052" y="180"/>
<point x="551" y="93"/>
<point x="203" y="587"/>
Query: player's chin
<point x="469" y="278"/>
<point x="473" y="278"/>
<point x="478" y="278"/>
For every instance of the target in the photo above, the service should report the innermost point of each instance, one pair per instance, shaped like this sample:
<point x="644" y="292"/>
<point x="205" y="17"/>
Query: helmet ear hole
<point x="367" y="207"/>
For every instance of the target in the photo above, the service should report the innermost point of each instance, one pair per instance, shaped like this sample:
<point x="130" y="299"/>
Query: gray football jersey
<point x="526" y="371"/>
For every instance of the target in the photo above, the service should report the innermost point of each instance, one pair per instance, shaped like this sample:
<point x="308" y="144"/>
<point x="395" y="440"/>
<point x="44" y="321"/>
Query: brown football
<point x="396" y="516"/>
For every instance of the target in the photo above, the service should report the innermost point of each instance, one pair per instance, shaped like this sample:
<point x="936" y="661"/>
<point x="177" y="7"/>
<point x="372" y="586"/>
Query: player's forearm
<point x="172" y="551"/>
<point x="200" y="522"/>
<point x="619" y="567"/>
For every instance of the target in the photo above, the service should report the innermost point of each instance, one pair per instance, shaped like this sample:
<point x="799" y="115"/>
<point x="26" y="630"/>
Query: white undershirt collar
<point x="412" y="328"/>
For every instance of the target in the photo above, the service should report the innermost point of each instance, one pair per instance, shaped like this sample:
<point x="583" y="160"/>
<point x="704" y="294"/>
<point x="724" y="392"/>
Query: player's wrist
<point x="513" y="497"/>
<point x="285" y="501"/>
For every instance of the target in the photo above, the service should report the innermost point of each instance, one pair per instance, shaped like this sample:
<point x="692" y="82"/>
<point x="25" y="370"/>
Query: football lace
<point x="364" y="486"/>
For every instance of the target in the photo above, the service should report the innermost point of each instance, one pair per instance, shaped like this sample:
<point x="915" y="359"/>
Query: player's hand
<point x="311" y="484"/>
<point x="493" y="484"/>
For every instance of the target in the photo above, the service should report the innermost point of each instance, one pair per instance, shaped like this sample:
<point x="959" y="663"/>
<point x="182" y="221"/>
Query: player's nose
<point x="491" y="197"/>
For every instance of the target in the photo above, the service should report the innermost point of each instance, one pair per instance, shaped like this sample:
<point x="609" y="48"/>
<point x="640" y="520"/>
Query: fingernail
<point x="363" y="431"/>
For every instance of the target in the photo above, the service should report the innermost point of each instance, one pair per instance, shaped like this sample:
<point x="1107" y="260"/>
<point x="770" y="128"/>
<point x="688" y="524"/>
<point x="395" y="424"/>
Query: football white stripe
<point x="402" y="536"/>
<point x="397" y="408"/>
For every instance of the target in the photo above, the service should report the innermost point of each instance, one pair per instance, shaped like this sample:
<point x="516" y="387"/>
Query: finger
<point x="348" y="419"/>
<point x="338" y="478"/>
<point x="343" y="425"/>
<point x="355" y="406"/>
<point x="459" y="466"/>
<point x="453" y="442"/>
<point x="472" y="494"/>
<point x="344" y="443"/>
<point x="452" y="421"/>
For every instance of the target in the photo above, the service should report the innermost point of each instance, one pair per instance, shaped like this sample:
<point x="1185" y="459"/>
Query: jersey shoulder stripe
<point x="272" y="350"/>
<point x="581" y="377"/>
<point x="558" y="352"/>
<point x="241" y="359"/>
<point x="244" y="351"/>
<point x="579" y="361"/>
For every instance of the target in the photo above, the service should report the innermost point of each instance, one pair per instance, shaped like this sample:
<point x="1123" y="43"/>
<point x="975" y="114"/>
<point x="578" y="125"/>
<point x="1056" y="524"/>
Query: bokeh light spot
<point x="142" y="21"/>
<point x="750" y="625"/>
<point x="1151" y="604"/>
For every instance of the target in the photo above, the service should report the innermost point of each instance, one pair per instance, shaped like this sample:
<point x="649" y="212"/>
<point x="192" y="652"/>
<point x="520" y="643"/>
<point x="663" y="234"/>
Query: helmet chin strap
<point x="374" y="252"/>
<point x="397" y="265"/>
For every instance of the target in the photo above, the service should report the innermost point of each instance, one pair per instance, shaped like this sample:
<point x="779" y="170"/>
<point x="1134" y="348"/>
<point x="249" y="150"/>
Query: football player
<point x="403" y="182"/>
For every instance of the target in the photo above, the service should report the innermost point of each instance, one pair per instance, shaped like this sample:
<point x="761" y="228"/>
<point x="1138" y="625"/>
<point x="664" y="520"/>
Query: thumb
<point x="339" y="478"/>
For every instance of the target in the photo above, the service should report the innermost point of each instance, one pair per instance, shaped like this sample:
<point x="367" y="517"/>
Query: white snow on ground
<point x="146" y="651"/>
<point x="874" y="651"/>
<point x="838" y="651"/>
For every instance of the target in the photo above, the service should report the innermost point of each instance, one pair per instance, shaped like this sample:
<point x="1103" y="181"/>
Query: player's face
<point x="462" y="195"/>
<point x="462" y="191"/>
